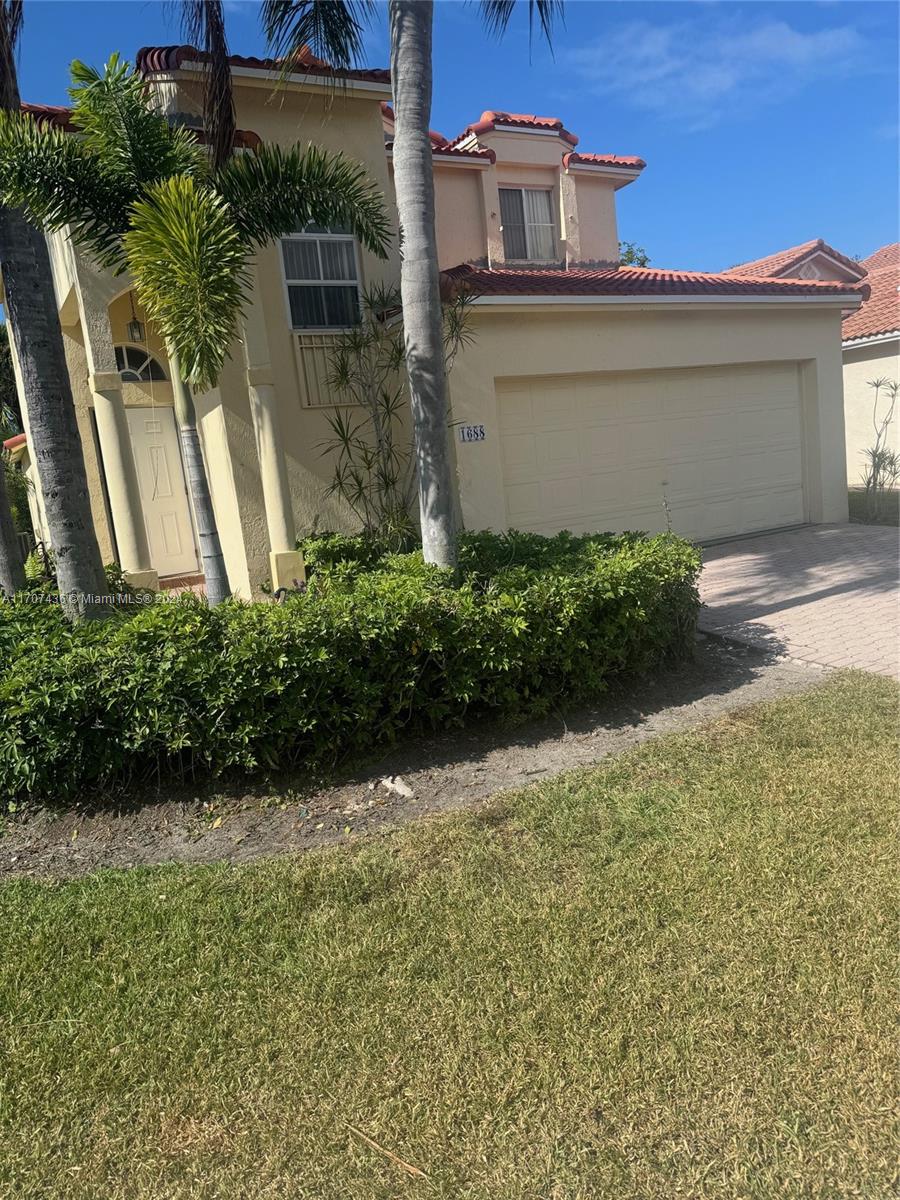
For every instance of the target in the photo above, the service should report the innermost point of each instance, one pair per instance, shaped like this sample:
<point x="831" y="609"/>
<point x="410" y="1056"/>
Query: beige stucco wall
<point x="459" y="214"/>
<point x="597" y="232"/>
<point x="570" y="339"/>
<point x="860" y="366"/>
<point x="352" y="125"/>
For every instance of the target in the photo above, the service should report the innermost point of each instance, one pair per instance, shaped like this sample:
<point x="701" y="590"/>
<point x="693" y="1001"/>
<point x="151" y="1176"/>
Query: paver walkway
<point x="826" y="594"/>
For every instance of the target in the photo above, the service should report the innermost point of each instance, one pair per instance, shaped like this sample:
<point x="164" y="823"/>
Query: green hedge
<point x="379" y="645"/>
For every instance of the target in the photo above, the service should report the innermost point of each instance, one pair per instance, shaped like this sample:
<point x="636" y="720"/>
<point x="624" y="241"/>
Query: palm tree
<point x="142" y="195"/>
<point x="34" y="323"/>
<point x="333" y="27"/>
<point x="12" y="569"/>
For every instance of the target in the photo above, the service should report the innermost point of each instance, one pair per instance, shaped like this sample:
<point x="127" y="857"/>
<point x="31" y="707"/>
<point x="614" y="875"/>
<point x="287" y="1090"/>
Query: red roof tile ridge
<point x="491" y="118"/>
<point x="635" y="281"/>
<point x="612" y="160"/>
<point x="783" y="261"/>
<point x="154" y="59"/>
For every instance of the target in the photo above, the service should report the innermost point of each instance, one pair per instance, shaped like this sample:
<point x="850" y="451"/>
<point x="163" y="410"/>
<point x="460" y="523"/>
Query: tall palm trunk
<point x="410" y="28"/>
<point x="12" y="570"/>
<point x="30" y="303"/>
<point x="217" y="587"/>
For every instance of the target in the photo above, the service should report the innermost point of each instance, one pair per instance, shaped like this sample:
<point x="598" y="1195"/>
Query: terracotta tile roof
<point x="15" y="441"/>
<point x="785" y="260"/>
<point x="632" y="281"/>
<point x="437" y="139"/>
<point x="61" y="118"/>
<point x="468" y="152"/>
<point x="490" y="119"/>
<point x="573" y="158"/>
<point x="153" y="59"/>
<point x="50" y="114"/>
<point x="887" y="256"/>
<point x="880" y="313"/>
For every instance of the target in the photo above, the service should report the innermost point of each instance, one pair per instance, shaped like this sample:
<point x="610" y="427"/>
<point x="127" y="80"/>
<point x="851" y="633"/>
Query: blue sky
<point x="763" y="124"/>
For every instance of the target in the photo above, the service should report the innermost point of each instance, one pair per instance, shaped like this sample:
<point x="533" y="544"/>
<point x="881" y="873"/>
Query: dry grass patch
<point x="671" y="976"/>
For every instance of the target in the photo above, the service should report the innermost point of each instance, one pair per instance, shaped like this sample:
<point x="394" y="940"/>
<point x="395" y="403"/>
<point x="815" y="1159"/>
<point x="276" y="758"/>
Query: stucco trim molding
<point x="263" y="78"/>
<point x="875" y="339"/>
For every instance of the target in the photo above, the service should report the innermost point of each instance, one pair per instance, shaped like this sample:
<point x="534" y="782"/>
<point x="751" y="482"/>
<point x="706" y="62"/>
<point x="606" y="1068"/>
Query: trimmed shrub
<point x="364" y="655"/>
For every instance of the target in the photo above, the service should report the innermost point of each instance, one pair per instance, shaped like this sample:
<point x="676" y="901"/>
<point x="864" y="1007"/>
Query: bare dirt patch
<point x="216" y="822"/>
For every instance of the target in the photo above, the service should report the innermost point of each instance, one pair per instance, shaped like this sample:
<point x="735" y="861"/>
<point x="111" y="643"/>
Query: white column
<point x="92" y="289"/>
<point x="285" y="561"/>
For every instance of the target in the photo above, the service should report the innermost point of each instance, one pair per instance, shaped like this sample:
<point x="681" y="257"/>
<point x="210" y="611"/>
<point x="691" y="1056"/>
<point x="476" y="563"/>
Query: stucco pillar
<point x="568" y="209"/>
<point x="285" y="560"/>
<point x="94" y="291"/>
<point x="490" y="193"/>
<point x="121" y="479"/>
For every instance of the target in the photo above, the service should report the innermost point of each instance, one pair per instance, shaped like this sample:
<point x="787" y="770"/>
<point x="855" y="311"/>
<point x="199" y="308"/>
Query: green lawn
<point x="669" y="977"/>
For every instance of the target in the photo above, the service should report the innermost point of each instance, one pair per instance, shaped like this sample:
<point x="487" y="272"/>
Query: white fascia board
<point x="448" y="160"/>
<point x="531" y="130"/>
<point x="654" y="301"/>
<point x="875" y="339"/>
<point x="622" y="174"/>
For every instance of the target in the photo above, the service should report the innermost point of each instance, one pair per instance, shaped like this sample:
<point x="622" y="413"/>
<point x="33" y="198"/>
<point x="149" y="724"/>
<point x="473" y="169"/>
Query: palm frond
<point x="497" y="14"/>
<point x="120" y="126"/>
<point x="203" y="22"/>
<point x="188" y="263"/>
<point x="332" y="30"/>
<point x="276" y="191"/>
<point x="57" y="181"/>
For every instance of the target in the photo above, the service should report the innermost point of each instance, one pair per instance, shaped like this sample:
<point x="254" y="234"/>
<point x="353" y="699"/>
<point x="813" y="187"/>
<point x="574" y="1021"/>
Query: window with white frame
<point x="137" y="365"/>
<point x="529" y="230"/>
<point x="321" y="274"/>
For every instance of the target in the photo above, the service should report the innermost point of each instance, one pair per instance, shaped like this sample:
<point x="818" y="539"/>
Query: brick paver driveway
<point x="825" y="594"/>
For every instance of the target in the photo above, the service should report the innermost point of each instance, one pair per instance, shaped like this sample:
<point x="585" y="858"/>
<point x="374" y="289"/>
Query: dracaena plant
<point x="374" y="466"/>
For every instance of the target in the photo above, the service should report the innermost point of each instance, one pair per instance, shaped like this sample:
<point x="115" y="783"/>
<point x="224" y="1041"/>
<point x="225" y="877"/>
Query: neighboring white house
<point x="871" y="334"/>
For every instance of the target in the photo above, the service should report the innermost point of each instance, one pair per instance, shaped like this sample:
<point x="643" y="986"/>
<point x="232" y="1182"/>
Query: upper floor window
<point x="321" y="273"/>
<point x="529" y="231"/>
<point x="137" y="365"/>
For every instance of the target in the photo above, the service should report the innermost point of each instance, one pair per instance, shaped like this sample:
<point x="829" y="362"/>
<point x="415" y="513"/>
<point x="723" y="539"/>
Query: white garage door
<point x="720" y="446"/>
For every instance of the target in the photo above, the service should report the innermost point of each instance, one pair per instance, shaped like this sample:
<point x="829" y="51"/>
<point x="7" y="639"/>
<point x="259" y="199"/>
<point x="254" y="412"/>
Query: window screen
<point x="529" y="231"/>
<point x="322" y="280"/>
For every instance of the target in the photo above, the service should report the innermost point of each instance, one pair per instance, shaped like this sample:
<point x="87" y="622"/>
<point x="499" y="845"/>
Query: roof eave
<point x="513" y="300"/>
<point x="264" y="76"/>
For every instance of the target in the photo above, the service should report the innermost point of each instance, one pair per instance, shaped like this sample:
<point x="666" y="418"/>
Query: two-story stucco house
<point x="610" y="397"/>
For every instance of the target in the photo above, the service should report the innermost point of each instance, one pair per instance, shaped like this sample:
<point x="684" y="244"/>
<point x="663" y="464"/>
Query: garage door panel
<point x="722" y="446"/>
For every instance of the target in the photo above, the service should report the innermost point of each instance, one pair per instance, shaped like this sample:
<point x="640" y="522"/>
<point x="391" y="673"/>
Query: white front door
<point x="164" y="496"/>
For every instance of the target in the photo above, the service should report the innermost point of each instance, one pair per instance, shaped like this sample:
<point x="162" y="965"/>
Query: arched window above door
<point x="137" y="365"/>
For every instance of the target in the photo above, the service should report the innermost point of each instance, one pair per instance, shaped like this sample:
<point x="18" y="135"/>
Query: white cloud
<point x="700" y="70"/>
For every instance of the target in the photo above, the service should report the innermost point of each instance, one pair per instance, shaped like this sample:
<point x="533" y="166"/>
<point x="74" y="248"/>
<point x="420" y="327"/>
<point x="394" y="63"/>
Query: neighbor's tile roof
<point x="785" y="260"/>
<point x="880" y="313"/>
<point x="61" y="118"/>
<point x="573" y="158"/>
<point x="631" y="281"/>
<point x="15" y="441"/>
<point x="490" y="119"/>
<point x="153" y="59"/>
<point x="50" y="114"/>
<point x="887" y="256"/>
